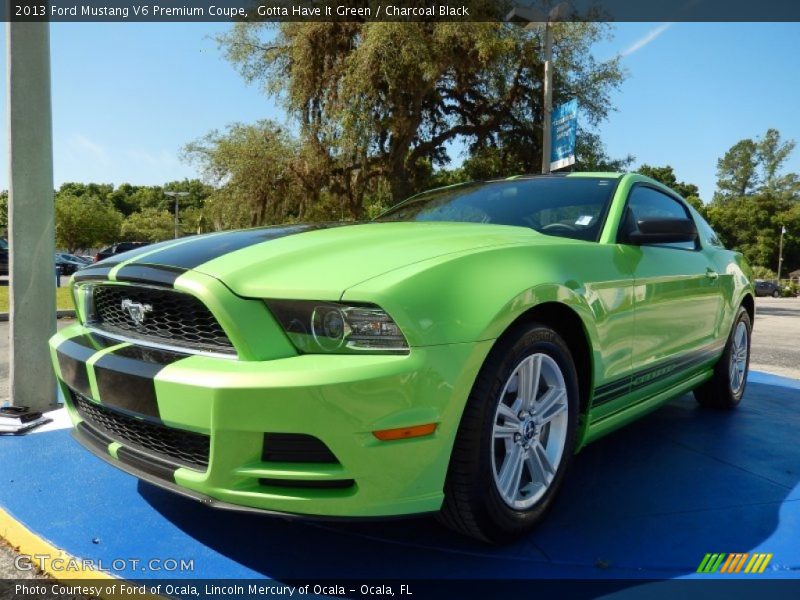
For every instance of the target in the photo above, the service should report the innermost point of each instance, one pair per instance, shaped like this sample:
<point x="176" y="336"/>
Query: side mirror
<point x="663" y="231"/>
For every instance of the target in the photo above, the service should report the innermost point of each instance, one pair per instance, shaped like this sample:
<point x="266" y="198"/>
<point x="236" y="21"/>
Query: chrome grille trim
<point x="157" y="345"/>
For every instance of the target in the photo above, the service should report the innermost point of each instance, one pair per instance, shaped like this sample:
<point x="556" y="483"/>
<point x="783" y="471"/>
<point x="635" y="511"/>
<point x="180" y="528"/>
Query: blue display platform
<point x="648" y="501"/>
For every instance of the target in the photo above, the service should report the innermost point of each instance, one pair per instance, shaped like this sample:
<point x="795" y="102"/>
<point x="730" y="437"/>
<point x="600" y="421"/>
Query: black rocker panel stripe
<point x="208" y="247"/>
<point x="614" y="387"/>
<point x="152" y="274"/>
<point x="683" y="364"/>
<point x="645" y="377"/>
<point x="125" y="379"/>
<point x="72" y="356"/>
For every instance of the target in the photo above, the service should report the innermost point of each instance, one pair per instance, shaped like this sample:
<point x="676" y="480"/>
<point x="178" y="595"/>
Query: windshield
<point x="572" y="207"/>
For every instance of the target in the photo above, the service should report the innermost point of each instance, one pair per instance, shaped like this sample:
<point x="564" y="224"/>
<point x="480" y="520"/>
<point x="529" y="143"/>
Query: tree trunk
<point x="401" y="187"/>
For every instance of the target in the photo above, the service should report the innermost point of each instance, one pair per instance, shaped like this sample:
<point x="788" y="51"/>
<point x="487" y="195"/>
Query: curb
<point x="60" y="314"/>
<point x="24" y="541"/>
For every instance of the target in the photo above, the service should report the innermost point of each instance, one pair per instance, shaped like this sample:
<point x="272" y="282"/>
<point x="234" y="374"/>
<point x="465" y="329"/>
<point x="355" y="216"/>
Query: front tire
<point x="776" y="294"/>
<point x="516" y="437"/>
<point x="726" y="387"/>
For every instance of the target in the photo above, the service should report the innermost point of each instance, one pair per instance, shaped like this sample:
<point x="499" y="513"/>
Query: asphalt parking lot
<point x="776" y="337"/>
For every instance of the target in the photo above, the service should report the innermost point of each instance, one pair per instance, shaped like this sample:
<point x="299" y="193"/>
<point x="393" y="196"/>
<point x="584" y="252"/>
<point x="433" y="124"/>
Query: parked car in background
<point x="68" y="263"/>
<point x="117" y="248"/>
<point x="767" y="288"/>
<point x="3" y="257"/>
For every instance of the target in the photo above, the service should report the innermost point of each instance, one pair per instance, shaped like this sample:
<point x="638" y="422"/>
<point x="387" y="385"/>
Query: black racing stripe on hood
<point x="143" y="273"/>
<point x="204" y="248"/>
<point x="94" y="272"/>
<point x="120" y="258"/>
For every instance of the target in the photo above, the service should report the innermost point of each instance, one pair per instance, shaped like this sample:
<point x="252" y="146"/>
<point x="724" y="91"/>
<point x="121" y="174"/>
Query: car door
<point x="678" y="298"/>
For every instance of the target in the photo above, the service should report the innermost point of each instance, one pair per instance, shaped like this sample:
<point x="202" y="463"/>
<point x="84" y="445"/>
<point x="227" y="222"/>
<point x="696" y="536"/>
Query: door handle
<point x="711" y="274"/>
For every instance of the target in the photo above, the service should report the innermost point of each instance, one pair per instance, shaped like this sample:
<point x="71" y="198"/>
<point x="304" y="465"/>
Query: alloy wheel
<point x="738" y="363"/>
<point x="530" y="431"/>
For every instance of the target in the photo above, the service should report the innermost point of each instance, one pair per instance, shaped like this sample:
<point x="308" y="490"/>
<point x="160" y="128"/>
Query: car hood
<point x="322" y="261"/>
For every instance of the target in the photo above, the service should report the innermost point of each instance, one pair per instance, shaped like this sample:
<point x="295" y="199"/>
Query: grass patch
<point x="63" y="299"/>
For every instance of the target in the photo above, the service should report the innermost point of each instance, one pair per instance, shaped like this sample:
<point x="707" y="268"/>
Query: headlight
<point x="315" y="327"/>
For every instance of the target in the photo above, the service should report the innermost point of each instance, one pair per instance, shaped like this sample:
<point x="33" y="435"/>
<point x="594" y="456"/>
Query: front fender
<point x="476" y="296"/>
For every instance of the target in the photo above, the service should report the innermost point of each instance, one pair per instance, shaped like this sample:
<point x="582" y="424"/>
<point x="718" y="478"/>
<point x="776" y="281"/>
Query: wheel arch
<point x="569" y="325"/>
<point x="750" y="306"/>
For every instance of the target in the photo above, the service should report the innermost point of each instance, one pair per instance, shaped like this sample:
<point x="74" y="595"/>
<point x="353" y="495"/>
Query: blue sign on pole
<point x="564" y="129"/>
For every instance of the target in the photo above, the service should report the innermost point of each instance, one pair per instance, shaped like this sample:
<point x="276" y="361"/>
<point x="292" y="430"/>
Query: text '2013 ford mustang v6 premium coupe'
<point x="450" y="356"/>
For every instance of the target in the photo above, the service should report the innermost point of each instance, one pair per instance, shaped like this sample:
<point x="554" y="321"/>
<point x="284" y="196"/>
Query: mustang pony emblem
<point x="136" y="310"/>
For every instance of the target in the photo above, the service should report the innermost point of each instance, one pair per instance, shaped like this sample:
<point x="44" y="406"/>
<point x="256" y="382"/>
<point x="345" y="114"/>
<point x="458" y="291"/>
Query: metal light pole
<point x="176" y="195"/>
<point x="780" y="253"/>
<point x="547" y="133"/>
<point x="531" y="18"/>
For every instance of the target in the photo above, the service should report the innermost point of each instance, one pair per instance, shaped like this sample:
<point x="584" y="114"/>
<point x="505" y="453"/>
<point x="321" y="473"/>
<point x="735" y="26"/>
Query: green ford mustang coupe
<point x="450" y="356"/>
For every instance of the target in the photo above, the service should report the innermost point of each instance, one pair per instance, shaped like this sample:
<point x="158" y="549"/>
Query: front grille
<point x="185" y="448"/>
<point x="169" y="317"/>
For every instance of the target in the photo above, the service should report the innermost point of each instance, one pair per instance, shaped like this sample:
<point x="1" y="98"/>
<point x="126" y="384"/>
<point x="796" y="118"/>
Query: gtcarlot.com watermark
<point x="57" y="564"/>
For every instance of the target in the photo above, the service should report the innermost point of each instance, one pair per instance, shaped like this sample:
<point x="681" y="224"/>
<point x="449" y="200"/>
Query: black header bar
<point x="399" y="10"/>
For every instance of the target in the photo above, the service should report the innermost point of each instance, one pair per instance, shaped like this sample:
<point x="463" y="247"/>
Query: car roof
<point x="591" y="174"/>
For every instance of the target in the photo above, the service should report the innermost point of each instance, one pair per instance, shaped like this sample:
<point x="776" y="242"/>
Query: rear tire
<point x="516" y="437"/>
<point x="726" y="387"/>
<point x="776" y="294"/>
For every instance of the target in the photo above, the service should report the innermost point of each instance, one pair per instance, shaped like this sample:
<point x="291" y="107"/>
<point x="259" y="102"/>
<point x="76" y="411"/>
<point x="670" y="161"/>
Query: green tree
<point x="98" y="190"/>
<point x="755" y="166"/>
<point x="85" y="221"/>
<point x="382" y="100"/>
<point x="197" y="190"/>
<point x="149" y="196"/>
<point x="261" y="172"/>
<point x="149" y="225"/>
<point x="755" y="198"/>
<point x="591" y="155"/>
<point x="194" y="220"/>
<point x="122" y="198"/>
<point x="772" y="154"/>
<point x="760" y="272"/>
<point x="737" y="171"/>
<point x="666" y="175"/>
<point x="753" y="224"/>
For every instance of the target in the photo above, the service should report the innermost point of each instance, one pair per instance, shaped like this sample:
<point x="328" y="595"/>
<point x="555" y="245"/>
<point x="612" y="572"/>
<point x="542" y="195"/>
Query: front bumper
<point x="238" y="404"/>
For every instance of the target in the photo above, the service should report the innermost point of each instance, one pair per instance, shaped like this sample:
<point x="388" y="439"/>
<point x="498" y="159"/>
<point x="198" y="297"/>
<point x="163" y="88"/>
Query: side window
<point x="647" y="203"/>
<point x="707" y="234"/>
